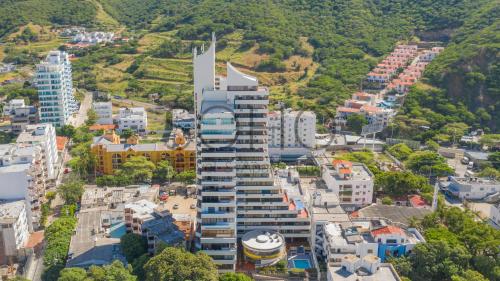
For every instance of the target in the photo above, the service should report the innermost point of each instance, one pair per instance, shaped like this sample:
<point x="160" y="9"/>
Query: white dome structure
<point x="263" y="247"/>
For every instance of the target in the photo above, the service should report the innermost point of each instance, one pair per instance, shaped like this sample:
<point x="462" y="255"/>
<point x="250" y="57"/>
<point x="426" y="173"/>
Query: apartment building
<point x="236" y="190"/>
<point x="15" y="229"/>
<point x="23" y="167"/>
<point x="45" y="136"/>
<point x="104" y="112"/>
<point x="20" y="117"/>
<point x="55" y="89"/>
<point x="352" y="182"/>
<point x="134" y="118"/>
<point x="288" y="129"/>
<point x="111" y="154"/>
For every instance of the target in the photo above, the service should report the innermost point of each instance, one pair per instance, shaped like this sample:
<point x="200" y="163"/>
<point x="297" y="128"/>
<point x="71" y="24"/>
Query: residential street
<point x="78" y="119"/>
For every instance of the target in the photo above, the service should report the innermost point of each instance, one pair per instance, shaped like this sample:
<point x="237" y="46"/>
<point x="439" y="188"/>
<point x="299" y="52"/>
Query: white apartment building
<point x="352" y="182"/>
<point x="22" y="177"/>
<point x="291" y="134"/>
<point x="134" y="118"/>
<point x="45" y="136"/>
<point x="55" y="89"/>
<point x="236" y="191"/>
<point x="289" y="129"/>
<point x="353" y="268"/>
<point x="104" y="112"/>
<point x="14" y="230"/>
<point x="12" y="105"/>
<point x="473" y="187"/>
<point x="181" y="118"/>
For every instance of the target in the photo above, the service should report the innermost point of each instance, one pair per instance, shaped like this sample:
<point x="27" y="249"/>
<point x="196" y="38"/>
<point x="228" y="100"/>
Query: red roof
<point x="390" y="229"/>
<point x="61" y="142"/>
<point x="98" y="127"/>
<point x="35" y="239"/>
<point x="417" y="201"/>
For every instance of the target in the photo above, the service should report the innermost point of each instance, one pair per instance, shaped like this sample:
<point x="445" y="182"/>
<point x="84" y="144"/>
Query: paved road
<point x="80" y="117"/>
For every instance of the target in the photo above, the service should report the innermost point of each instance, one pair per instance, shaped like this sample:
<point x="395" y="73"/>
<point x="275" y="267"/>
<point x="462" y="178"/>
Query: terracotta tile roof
<point x="347" y="109"/>
<point x="390" y="229"/>
<point x="61" y="142"/>
<point x="345" y="163"/>
<point x="35" y="239"/>
<point x="98" y="127"/>
<point x="417" y="201"/>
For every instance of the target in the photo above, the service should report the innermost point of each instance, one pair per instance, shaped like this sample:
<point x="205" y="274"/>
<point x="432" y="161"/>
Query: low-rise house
<point x="362" y="237"/>
<point x="181" y="118"/>
<point x="135" y="118"/>
<point x="473" y="187"/>
<point x="12" y="105"/>
<point x="369" y="268"/>
<point x="154" y="222"/>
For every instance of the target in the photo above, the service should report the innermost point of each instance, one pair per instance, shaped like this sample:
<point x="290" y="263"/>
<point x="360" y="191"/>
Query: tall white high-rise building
<point x="55" y="89"/>
<point x="236" y="190"/>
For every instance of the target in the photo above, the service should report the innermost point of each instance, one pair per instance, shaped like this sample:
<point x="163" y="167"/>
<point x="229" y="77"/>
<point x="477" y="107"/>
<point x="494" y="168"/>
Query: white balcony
<point x="218" y="154"/>
<point x="223" y="251"/>
<point x="251" y="119"/>
<point x="245" y="110"/>
<point x="263" y="101"/>
<point x="222" y="215"/>
<point x="220" y="163"/>
<point x="218" y="174"/>
<point x="219" y="225"/>
<point x="218" y="240"/>
<point x="218" y="182"/>
<point x="220" y="203"/>
<point x="228" y="192"/>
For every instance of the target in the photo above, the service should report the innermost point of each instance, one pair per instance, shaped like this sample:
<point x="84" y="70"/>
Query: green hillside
<point x="312" y="54"/>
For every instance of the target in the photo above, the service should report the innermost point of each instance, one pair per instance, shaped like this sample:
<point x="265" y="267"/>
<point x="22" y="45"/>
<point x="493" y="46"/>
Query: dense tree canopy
<point x="177" y="264"/>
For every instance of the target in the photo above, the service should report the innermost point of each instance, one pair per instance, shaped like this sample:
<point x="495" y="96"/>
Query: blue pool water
<point x="303" y="264"/>
<point x="118" y="231"/>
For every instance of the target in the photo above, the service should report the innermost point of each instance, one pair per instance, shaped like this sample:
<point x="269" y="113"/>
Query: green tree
<point x="177" y="264"/>
<point x="387" y="200"/>
<point x="401" y="151"/>
<point x="494" y="158"/>
<point x="432" y="145"/>
<point x="469" y="275"/>
<point x="71" y="191"/>
<point x="164" y="171"/>
<point x="355" y="122"/>
<point x="437" y="261"/>
<point x="490" y="172"/>
<point x="138" y="266"/>
<point x="139" y="168"/>
<point x="116" y="271"/>
<point x="232" y="276"/>
<point x="73" y="274"/>
<point x="127" y="133"/>
<point x="91" y="117"/>
<point x="186" y="176"/>
<point x="398" y="184"/>
<point x="66" y="131"/>
<point x="133" y="246"/>
<point x="428" y="163"/>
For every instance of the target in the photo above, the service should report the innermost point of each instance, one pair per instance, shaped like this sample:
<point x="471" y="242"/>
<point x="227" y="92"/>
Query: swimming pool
<point x="303" y="264"/>
<point x="118" y="230"/>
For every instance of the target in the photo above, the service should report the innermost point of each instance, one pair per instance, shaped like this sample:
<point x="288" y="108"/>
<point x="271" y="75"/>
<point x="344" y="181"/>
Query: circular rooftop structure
<point x="263" y="247"/>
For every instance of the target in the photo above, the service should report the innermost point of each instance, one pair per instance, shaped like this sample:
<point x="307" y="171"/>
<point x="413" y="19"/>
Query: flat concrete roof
<point x="398" y="214"/>
<point x="384" y="273"/>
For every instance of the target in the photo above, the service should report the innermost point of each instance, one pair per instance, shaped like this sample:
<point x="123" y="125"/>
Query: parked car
<point x="176" y="206"/>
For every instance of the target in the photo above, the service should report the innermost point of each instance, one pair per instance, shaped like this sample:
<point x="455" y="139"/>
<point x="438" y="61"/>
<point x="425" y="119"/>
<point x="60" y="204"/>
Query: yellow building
<point x="111" y="154"/>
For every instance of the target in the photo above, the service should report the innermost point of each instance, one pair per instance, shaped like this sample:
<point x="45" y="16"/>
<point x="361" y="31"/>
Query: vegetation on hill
<point x="49" y="12"/>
